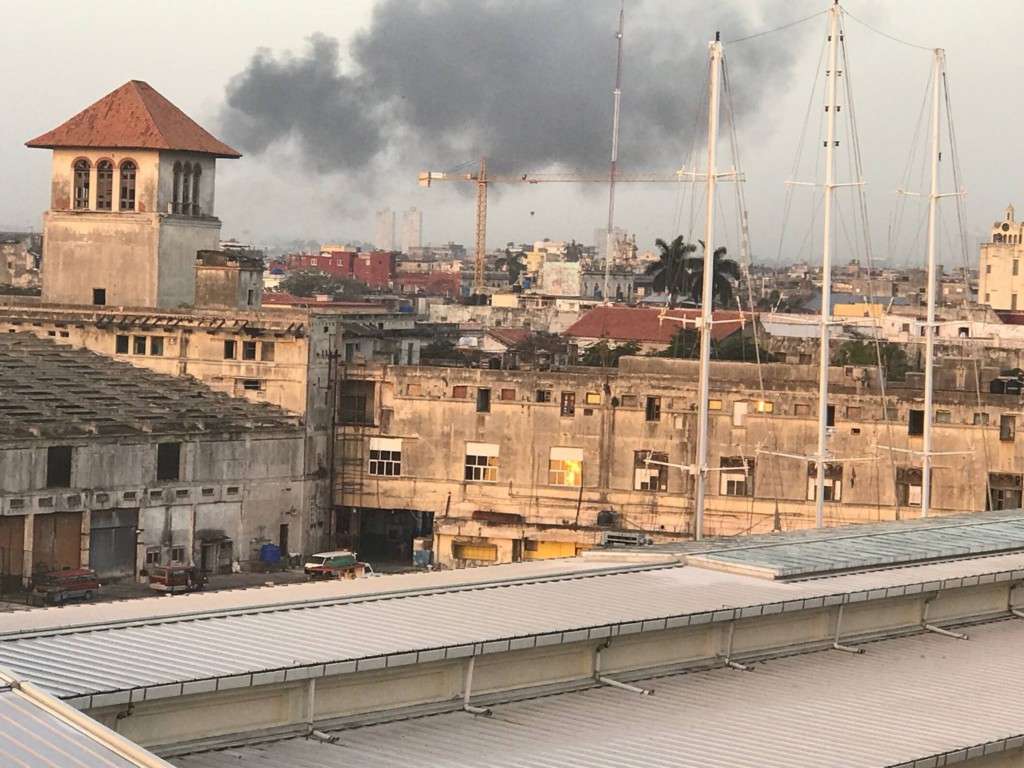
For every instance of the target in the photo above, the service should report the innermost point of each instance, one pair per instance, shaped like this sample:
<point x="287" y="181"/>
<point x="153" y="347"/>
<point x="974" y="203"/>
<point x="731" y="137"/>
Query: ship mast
<point x="929" y="356"/>
<point x="704" y="379"/>
<point x="610" y="239"/>
<point x="826" y="269"/>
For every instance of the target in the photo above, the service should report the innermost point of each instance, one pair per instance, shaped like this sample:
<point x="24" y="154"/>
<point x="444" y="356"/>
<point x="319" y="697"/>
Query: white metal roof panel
<point x="368" y="631"/>
<point x="907" y="699"/>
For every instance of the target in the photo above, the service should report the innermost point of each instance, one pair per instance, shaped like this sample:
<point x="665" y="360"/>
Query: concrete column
<point x="28" y="535"/>
<point x="83" y="557"/>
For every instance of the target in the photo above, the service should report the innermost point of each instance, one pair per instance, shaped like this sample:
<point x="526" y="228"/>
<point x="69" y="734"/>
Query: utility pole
<point x="610" y="237"/>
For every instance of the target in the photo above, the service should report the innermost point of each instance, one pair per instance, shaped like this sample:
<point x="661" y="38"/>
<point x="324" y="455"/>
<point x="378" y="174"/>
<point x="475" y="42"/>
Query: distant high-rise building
<point x="601" y="241"/>
<point x="385" y="238"/>
<point x="412" y="230"/>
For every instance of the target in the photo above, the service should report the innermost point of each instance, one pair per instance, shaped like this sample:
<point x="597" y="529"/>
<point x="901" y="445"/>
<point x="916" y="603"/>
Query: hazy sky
<point x="337" y="106"/>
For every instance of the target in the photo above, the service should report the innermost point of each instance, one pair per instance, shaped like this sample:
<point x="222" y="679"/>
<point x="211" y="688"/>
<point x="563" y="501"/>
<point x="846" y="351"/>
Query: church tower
<point x="131" y="204"/>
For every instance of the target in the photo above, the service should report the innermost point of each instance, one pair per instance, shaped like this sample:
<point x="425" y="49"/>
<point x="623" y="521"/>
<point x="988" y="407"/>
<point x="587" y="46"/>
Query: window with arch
<point x="127" y="202"/>
<point x="197" y="172"/>
<point x="186" y="189"/>
<point x="82" y="172"/>
<point x="176" y="192"/>
<point x="104" y="185"/>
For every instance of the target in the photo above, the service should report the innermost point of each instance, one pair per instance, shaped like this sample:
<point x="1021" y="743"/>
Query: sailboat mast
<point x="704" y="385"/>
<point x="826" y="269"/>
<point x="929" y="355"/>
<point x="610" y="239"/>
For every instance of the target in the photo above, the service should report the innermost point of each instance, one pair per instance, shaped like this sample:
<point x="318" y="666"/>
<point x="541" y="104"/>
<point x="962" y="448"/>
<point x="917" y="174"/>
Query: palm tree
<point x="673" y="269"/>
<point x="725" y="272"/>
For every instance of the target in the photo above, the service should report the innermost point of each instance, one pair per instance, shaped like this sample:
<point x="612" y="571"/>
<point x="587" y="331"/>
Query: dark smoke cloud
<point x="527" y="82"/>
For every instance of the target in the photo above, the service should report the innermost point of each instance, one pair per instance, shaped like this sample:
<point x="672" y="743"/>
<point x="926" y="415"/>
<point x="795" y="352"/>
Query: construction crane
<point x="482" y="180"/>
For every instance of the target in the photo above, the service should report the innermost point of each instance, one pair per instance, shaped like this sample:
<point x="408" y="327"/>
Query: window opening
<point x="565" y="466"/>
<point x="168" y="461"/>
<point x="104" y="185"/>
<point x="385" y="457"/>
<point x="229" y="349"/>
<point x="833" y="486"/>
<point x="127" y="201"/>
<point x="121" y="345"/>
<point x="1007" y="427"/>
<point x="652" y="411"/>
<point x="58" y="466"/>
<point x="248" y="350"/>
<point x="82" y="173"/>
<point x="483" y="400"/>
<point x="267" y="352"/>
<point x="736" y="477"/>
<point x="139" y="345"/>
<point x="481" y="463"/>
<point x="647" y="475"/>
<point x="99" y="296"/>
<point x="915" y="422"/>
<point x="568" y="407"/>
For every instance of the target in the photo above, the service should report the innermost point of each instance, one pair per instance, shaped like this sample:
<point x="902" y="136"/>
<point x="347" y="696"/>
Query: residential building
<point x="1000" y="281"/>
<point x="412" y="230"/>
<point x="384" y="237"/>
<point x="21" y="257"/>
<point x="132" y="202"/>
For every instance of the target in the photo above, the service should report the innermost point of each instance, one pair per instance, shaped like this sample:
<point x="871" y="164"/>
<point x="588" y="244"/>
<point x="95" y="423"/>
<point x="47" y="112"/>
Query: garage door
<point x="112" y="537"/>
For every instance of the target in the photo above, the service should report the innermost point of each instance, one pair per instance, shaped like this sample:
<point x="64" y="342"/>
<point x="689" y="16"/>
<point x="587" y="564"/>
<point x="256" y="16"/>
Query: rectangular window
<point x="801" y="409"/>
<point x="168" y="461"/>
<point x="250" y="298"/>
<point x="830" y="415"/>
<point x="568" y="404"/>
<point x="156" y="346"/>
<point x="652" y="411"/>
<point x="915" y="422"/>
<point x="853" y="412"/>
<point x="765" y="406"/>
<point x="483" y="400"/>
<point x="356" y="405"/>
<point x="593" y="398"/>
<point x="460" y="392"/>
<point x="152" y="555"/>
<point x="99" y="296"/>
<point x="1004" y="491"/>
<point x="481" y="463"/>
<point x="1013" y="301"/>
<point x="139" y="345"/>
<point x="714" y="405"/>
<point x="739" y="414"/>
<point x="471" y="551"/>
<point x="908" y="486"/>
<point x="981" y="419"/>
<point x="121" y="345"/>
<point x="252" y="385"/>
<point x="248" y="350"/>
<point x="267" y="351"/>
<point x="943" y="417"/>
<point x="833" y="486"/>
<point x="385" y="457"/>
<point x="1016" y="267"/>
<point x="58" y="466"/>
<point x="736" y="477"/>
<point x="543" y="396"/>
<point x="177" y="555"/>
<point x="508" y="394"/>
<point x="229" y="349"/>
<point x="565" y="466"/>
<point x="1007" y="427"/>
<point x="650" y="472"/>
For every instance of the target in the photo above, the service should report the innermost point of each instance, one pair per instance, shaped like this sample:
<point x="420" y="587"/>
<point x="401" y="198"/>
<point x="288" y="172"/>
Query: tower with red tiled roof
<point x="132" y="202"/>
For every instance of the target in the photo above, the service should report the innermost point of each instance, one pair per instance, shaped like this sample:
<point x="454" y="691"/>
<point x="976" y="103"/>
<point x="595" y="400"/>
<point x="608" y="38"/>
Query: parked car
<point x="176" y="578"/>
<point x="337" y="565"/>
<point x="57" y="587"/>
<point x="320" y="559"/>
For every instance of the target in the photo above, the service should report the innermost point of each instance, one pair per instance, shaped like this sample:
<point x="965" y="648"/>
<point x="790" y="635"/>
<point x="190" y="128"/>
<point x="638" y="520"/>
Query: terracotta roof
<point x="511" y="337"/>
<point x="134" y="116"/>
<point x="642" y="324"/>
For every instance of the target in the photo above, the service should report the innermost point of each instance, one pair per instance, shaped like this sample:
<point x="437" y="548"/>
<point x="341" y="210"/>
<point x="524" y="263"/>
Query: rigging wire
<point x="776" y="29"/>
<point x="886" y="34"/>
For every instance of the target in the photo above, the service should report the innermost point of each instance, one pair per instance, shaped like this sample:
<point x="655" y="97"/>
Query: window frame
<point x="481" y="462"/>
<point x="735" y="471"/>
<point x="81" y="184"/>
<point x="643" y="474"/>
<point x="104" y="185"/>
<point x="385" y="457"/>
<point x="560" y="469"/>
<point x="128" y="172"/>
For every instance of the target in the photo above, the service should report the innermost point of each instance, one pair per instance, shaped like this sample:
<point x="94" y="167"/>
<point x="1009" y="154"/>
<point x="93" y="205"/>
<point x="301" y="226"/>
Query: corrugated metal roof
<point x="904" y="700"/>
<point x="39" y="731"/>
<point x="968" y="536"/>
<point x="192" y="653"/>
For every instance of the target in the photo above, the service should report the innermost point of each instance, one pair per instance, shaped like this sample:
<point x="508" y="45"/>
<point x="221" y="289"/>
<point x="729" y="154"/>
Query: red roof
<point x="645" y="325"/>
<point x="134" y="116"/>
<point x="511" y="337"/>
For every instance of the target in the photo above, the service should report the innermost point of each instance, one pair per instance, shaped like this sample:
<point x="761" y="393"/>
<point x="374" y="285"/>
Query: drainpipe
<point x="468" y="691"/>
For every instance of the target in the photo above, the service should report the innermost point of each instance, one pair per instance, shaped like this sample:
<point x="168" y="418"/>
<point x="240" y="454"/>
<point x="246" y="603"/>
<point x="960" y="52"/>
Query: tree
<point x="685" y="344"/>
<point x="604" y="355"/>
<point x="307" y="282"/>
<point x="513" y="263"/>
<point x="738" y="346"/>
<point x="725" y="272"/>
<point x="857" y="352"/>
<point x="670" y="271"/>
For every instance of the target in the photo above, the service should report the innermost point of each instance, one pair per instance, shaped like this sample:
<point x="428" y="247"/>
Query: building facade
<point x="1000" y="281"/>
<point x="412" y="230"/>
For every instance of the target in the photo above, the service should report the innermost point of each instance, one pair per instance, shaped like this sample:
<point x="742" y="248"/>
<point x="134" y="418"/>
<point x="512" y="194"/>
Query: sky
<point x="337" y="107"/>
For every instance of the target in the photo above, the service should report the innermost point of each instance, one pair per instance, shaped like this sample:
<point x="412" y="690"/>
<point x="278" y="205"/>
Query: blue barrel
<point x="270" y="553"/>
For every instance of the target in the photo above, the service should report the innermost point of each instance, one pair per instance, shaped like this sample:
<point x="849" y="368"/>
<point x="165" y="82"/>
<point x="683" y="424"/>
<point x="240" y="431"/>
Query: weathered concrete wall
<point x="181" y="237"/>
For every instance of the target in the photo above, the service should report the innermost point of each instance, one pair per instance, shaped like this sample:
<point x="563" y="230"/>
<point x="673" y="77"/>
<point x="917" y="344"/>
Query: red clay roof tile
<point x="642" y="324"/>
<point x="134" y="116"/>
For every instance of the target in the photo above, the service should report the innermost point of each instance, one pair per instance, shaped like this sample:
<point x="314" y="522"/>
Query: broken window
<point x="156" y="346"/>
<point x="543" y="396"/>
<point x="736" y="477"/>
<point x="139" y="345"/>
<point x="1004" y="491"/>
<point x="248" y="350"/>
<point x="229" y="349"/>
<point x="176" y="190"/>
<point x="650" y="472"/>
<point x="58" y="466"/>
<point x="356" y="404"/>
<point x="385" y="457"/>
<point x="801" y="409"/>
<point x="943" y="417"/>
<point x="104" y="185"/>
<point x="1007" y="427"/>
<point x="908" y="486"/>
<point x="267" y="352"/>
<point x="186" y="189"/>
<point x="82" y="173"/>
<point x="568" y="407"/>
<point x="565" y="466"/>
<point x="915" y="422"/>
<point x="127" y="201"/>
<point x="197" y="173"/>
<point x="252" y="385"/>
<point x="481" y="463"/>
<point x="121" y="345"/>
<point x="652" y="411"/>
<point x="99" y="296"/>
<point x="168" y="461"/>
<point x="483" y="400"/>
<point x="981" y="419"/>
<point x="833" y="485"/>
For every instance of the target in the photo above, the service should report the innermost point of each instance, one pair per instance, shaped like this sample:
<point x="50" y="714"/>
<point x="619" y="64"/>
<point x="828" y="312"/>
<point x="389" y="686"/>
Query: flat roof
<point x="40" y="731"/>
<point x="911" y="702"/>
<point x="204" y="651"/>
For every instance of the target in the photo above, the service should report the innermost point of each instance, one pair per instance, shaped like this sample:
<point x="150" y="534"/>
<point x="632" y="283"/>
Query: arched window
<point x="127" y="186"/>
<point x="197" y="172"/>
<point x="186" y="190"/>
<point x="82" y="171"/>
<point x="104" y="185"/>
<point x="176" y="193"/>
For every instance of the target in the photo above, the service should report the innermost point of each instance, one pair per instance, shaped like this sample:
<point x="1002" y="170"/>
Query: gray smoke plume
<point x="528" y="83"/>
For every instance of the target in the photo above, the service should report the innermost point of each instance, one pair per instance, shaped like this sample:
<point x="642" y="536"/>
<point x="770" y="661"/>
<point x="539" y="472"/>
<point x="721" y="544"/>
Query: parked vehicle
<point x="337" y="565"/>
<point x="57" y="587"/>
<point x="320" y="559"/>
<point x="176" y="578"/>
